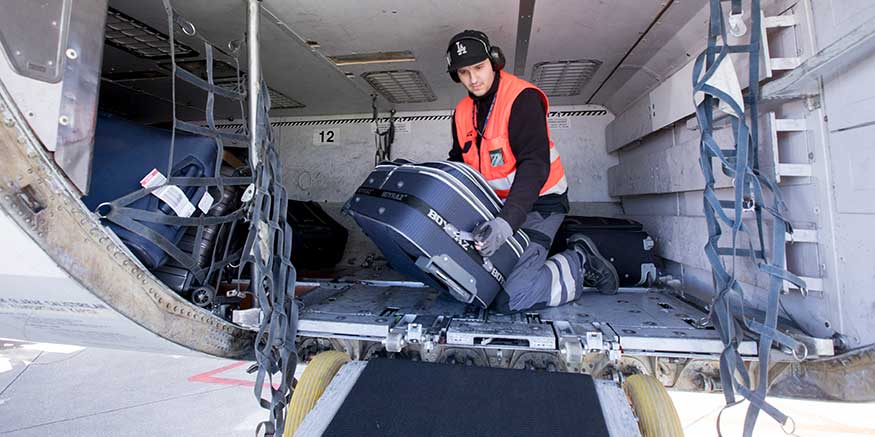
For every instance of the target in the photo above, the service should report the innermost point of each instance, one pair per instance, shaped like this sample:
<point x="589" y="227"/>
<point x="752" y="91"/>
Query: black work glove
<point x="489" y="236"/>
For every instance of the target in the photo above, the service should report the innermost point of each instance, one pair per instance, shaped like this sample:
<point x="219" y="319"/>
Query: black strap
<point x="273" y="277"/>
<point x="273" y="280"/>
<point x="382" y="139"/>
<point x="135" y="220"/>
<point x="736" y="7"/>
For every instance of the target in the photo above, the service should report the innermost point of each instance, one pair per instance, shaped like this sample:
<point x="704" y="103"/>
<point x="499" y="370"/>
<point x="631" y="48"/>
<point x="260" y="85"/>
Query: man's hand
<point x="489" y="236"/>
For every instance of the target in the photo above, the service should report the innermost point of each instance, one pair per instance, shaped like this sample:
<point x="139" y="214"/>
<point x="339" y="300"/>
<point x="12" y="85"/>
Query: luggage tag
<point x="172" y="195"/>
<point x="206" y="202"/>
<point x="248" y="194"/>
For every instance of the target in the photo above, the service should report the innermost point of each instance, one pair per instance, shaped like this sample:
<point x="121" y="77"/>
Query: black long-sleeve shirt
<point x="527" y="134"/>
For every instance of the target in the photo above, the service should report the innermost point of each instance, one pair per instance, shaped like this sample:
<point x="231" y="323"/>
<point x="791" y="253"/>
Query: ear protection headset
<point x="496" y="56"/>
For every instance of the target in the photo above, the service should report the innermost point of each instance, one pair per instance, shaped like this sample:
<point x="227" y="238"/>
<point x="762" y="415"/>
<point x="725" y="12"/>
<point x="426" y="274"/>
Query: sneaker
<point x="598" y="272"/>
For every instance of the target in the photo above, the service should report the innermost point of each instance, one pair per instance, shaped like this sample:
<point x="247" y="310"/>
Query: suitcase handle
<point x="446" y="269"/>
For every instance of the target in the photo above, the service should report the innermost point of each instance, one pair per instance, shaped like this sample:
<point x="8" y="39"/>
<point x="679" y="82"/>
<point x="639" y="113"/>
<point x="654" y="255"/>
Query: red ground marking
<point x="209" y="377"/>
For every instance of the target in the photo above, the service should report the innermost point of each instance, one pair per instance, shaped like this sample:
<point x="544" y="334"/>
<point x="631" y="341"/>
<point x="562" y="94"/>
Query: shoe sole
<point x="592" y="247"/>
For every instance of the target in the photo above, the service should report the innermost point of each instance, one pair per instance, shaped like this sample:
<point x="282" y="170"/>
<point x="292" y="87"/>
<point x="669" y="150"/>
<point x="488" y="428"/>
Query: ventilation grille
<point x="130" y="76"/>
<point x="373" y="58"/>
<point x="401" y="86"/>
<point x="225" y="76"/>
<point x="231" y="84"/>
<point x="222" y="71"/>
<point x="278" y="100"/>
<point x="140" y="39"/>
<point x="564" y="78"/>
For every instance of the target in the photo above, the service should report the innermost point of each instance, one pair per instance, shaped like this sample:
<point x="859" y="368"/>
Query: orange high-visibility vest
<point x="495" y="160"/>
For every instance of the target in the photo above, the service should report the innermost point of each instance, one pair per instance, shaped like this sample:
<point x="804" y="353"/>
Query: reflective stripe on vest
<point x="504" y="184"/>
<point x="495" y="159"/>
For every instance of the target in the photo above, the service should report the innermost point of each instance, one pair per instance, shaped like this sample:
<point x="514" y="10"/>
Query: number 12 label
<point x="324" y="136"/>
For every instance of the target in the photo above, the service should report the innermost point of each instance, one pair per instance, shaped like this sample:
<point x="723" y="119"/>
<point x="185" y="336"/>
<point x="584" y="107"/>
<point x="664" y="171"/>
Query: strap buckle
<point x="457" y="234"/>
<point x="736" y="24"/>
<point x="799" y="358"/>
<point x="792" y="430"/>
<point x="104" y="209"/>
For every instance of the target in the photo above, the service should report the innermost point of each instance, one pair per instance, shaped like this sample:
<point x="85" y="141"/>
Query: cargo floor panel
<point x="638" y="321"/>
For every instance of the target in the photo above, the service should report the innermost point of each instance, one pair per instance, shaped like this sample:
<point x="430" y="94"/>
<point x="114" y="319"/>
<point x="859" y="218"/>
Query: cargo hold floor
<point x="639" y="320"/>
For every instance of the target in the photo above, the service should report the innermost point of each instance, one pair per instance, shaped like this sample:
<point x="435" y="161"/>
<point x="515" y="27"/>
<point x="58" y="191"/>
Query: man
<point x="500" y="129"/>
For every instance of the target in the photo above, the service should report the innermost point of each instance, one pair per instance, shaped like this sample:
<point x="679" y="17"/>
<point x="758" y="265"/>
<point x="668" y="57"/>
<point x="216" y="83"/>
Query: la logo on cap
<point x="460" y="49"/>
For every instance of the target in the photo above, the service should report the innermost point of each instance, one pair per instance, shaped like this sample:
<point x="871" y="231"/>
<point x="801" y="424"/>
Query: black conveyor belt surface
<point x="400" y="397"/>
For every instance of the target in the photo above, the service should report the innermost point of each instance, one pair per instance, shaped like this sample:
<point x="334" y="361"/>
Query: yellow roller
<point x="657" y="416"/>
<point x="313" y="382"/>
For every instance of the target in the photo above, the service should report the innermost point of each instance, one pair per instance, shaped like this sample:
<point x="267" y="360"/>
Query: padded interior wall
<point x="849" y="107"/>
<point x="660" y="183"/>
<point x="329" y="172"/>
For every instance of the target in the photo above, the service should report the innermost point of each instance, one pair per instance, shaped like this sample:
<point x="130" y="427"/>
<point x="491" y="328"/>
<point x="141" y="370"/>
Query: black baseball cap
<point x="467" y="48"/>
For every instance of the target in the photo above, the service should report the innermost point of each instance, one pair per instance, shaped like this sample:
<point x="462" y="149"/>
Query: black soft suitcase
<point x="125" y="152"/>
<point x="623" y="242"/>
<point x="213" y="243"/>
<point x="421" y="215"/>
<point x="318" y="241"/>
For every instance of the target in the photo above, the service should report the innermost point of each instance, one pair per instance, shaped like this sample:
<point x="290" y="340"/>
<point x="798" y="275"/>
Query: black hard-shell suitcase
<point x="421" y="215"/>
<point x="318" y="241"/>
<point x="623" y="242"/>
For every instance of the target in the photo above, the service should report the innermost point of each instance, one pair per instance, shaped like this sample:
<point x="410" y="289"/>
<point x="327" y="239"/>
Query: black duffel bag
<point x="318" y="241"/>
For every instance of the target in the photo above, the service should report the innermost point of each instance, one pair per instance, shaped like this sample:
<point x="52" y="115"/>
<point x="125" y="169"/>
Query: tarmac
<point x="61" y="390"/>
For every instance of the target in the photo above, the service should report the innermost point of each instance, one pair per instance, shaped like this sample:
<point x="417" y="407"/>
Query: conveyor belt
<point x="399" y="397"/>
